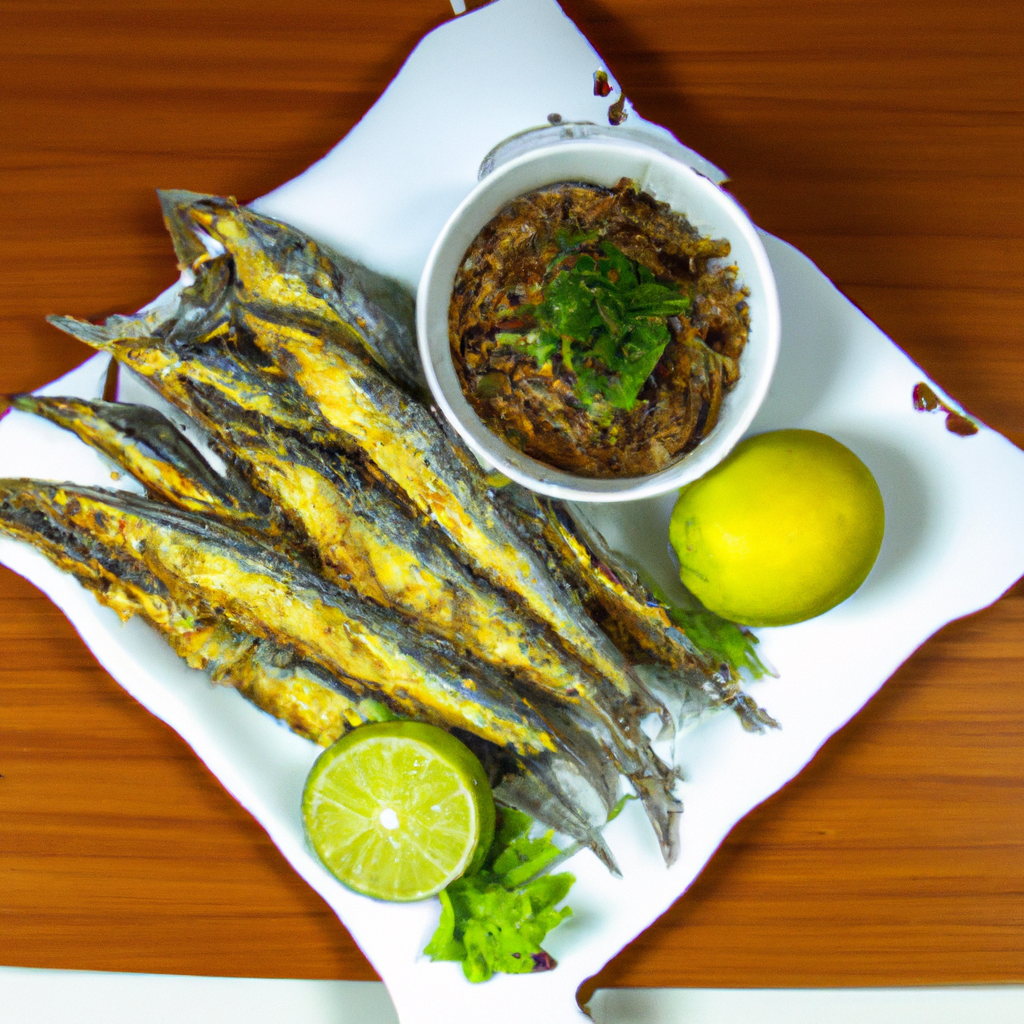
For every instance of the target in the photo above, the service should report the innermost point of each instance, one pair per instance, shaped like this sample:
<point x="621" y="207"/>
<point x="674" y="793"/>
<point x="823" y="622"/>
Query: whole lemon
<point x="784" y="528"/>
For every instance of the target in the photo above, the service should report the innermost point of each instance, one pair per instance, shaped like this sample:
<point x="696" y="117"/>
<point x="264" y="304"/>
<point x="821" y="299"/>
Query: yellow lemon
<point x="784" y="528"/>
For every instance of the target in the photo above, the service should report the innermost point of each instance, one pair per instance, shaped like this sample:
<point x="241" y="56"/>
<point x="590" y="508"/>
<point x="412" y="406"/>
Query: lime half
<point x="396" y="810"/>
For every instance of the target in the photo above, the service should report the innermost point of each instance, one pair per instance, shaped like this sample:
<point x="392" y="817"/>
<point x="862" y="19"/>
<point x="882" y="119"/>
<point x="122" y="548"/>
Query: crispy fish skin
<point x="203" y="375"/>
<point x="378" y="421"/>
<point x="263" y="594"/>
<point x="643" y="624"/>
<point x="364" y="540"/>
<point x="297" y="692"/>
<point x="455" y="498"/>
<point x="633" y="621"/>
<point x="206" y="377"/>
<point x="339" y="401"/>
<point x="359" y="533"/>
<point x="203" y="369"/>
<point x="201" y="309"/>
<point x="150" y="447"/>
<point x="182" y="352"/>
<point x="278" y="267"/>
<point x="636" y="622"/>
<point x="549" y="791"/>
<point x="361" y="536"/>
<point x="619" y="713"/>
<point x="310" y="701"/>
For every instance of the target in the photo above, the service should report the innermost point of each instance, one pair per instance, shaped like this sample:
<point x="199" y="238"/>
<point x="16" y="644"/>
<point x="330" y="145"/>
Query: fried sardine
<point x="357" y="550"/>
<point x="241" y="402"/>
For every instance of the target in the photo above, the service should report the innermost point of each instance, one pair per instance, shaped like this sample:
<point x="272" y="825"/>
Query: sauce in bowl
<point x="595" y="330"/>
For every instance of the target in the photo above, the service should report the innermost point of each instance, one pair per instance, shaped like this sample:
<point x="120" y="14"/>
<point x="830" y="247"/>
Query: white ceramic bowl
<point x="601" y="162"/>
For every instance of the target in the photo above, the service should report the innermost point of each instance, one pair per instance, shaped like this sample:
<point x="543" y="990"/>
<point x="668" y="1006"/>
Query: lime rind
<point x="398" y="810"/>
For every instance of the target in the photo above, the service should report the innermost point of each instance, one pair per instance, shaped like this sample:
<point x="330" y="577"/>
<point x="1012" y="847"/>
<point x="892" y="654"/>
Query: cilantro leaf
<point x="539" y="344"/>
<point x="495" y="920"/>
<point x="653" y="299"/>
<point x="607" y="317"/>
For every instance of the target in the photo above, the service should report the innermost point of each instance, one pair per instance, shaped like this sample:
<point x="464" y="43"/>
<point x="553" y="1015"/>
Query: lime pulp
<point x="398" y="810"/>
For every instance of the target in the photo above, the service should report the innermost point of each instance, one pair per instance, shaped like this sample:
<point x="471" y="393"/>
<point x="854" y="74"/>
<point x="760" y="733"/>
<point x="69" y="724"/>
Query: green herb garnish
<point x="714" y="636"/>
<point x="495" y="920"/>
<point x="725" y="641"/>
<point x="606" y="317"/>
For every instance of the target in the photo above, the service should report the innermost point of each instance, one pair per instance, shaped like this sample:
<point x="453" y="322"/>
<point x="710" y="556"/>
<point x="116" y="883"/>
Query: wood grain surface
<point x="885" y="140"/>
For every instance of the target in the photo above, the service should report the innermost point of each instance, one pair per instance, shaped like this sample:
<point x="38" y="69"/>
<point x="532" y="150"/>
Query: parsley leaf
<point x="494" y="921"/>
<point x="607" y="318"/>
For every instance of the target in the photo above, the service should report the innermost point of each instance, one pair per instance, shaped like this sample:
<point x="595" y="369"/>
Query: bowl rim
<point x="545" y="479"/>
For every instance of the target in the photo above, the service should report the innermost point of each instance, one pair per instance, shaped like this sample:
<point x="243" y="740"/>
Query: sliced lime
<point x="396" y="810"/>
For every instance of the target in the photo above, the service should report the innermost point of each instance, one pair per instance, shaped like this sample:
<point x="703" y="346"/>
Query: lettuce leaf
<point x="494" y="921"/>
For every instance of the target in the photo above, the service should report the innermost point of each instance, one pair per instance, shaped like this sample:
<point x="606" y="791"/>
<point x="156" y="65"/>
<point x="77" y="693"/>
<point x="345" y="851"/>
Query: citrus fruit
<point x="784" y="528"/>
<point x="396" y="810"/>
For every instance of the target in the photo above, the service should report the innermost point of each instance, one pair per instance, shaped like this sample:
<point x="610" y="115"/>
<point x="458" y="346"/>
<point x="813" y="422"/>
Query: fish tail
<point x="549" y="790"/>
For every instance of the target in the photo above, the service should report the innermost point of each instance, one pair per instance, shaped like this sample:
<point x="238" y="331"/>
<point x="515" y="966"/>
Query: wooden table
<point x="882" y="139"/>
